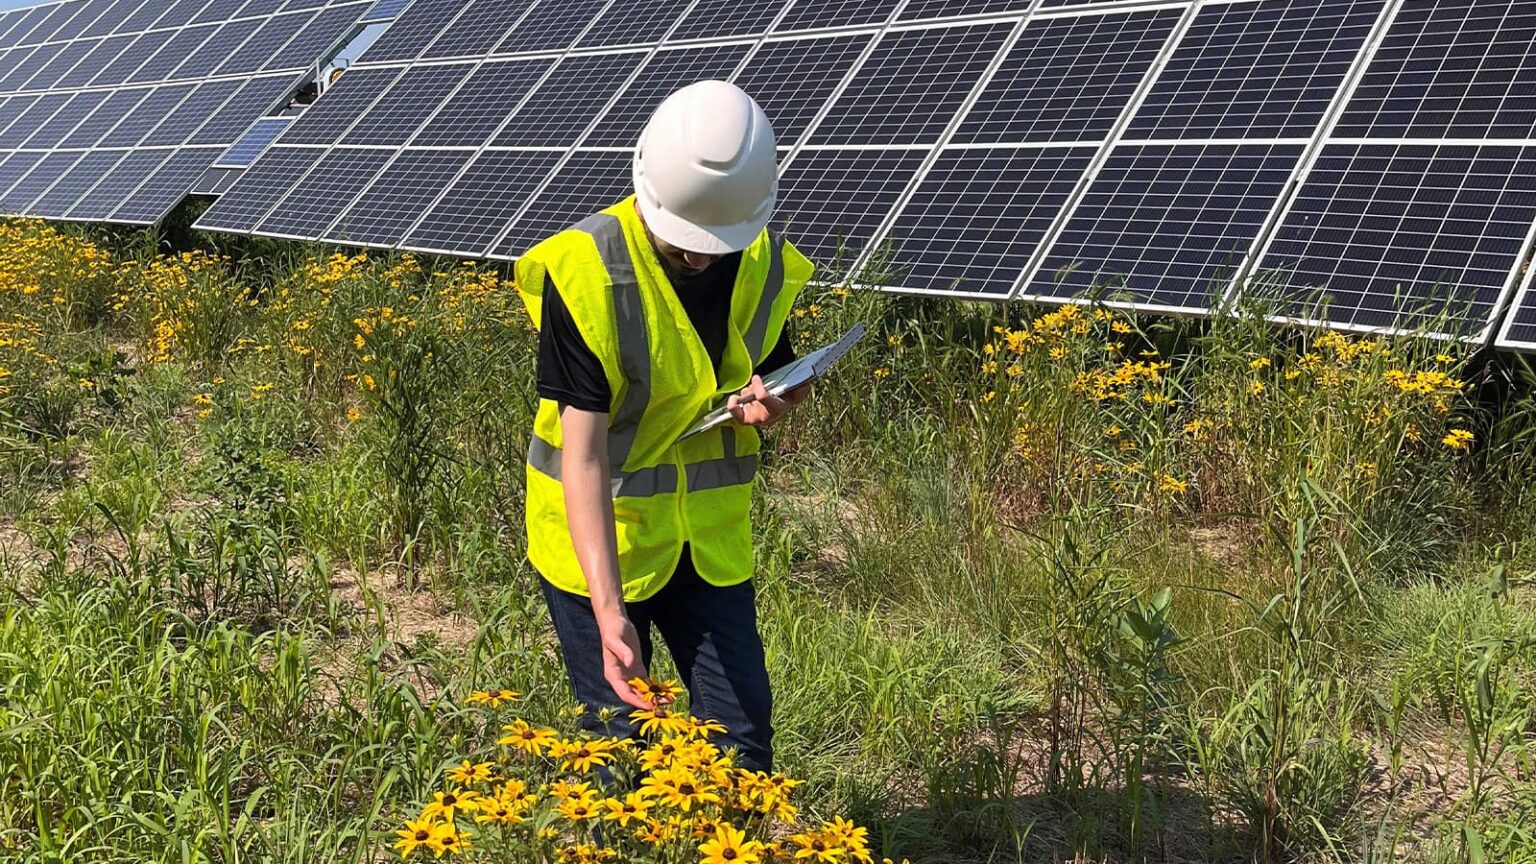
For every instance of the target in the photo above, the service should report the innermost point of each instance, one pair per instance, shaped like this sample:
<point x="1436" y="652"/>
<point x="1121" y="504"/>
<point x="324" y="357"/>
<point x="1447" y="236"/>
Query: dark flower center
<point x="729" y="854"/>
<point x="450" y="800"/>
<point x="423" y="836"/>
<point x="686" y="788"/>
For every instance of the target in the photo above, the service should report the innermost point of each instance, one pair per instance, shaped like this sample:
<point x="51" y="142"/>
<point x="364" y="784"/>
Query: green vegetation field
<point x="1037" y="585"/>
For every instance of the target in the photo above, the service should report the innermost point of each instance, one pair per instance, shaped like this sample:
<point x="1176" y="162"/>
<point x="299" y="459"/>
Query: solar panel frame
<point x="384" y="10"/>
<point x="36" y="181"/>
<point x="75" y="182"/>
<point x="106" y="116"/>
<point x="662" y="72"/>
<point x="329" y="29"/>
<point x="818" y="80"/>
<point x="34" y="115"/>
<point x="167" y="185"/>
<point x="252" y="143"/>
<point x="62" y="61"/>
<point x="482" y="103"/>
<point x="326" y="192"/>
<point x="587" y="181"/>
<point x="254" y="98"/>
<point x="557" y="29"/>
<point x="63" y="122"/>
<point x="183" y="42"/>
<point x="261" y="187"/>
<point x="480" y="203"/>
<point x="477" y="29"/>
<point x="390" y="205"/>
<point x="1518" y="330"/>
<point x="633" y="22"/>
<point x="834" y="14"/>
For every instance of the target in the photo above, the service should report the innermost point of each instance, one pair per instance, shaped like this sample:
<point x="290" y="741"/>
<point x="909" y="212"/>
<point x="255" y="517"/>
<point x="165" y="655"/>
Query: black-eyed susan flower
<point x="446" y="839"/>
<point x="568" y="791"/>
<point x="491" y="698"/>
<point x="632" y="808"/>
<point x="678" y="789"/>
<point x="1458" y="439"/>
<point x="815" y="847"/>
<point x="660" y="721"/>
<point x="528" y="739"/>
<point x="579" y="810"/>
<point x="445" y="805"/>
<point x="656" y="692"/>
<point x="582" y="756"/>
<point x="466" y="774"/>
<point x="414" y="835"/>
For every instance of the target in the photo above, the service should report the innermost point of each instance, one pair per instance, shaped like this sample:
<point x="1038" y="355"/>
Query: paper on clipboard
<point x="788" y="377"/>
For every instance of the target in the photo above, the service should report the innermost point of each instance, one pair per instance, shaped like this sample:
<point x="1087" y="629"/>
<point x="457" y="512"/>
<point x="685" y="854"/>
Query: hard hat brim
<point x="692" y="237"/>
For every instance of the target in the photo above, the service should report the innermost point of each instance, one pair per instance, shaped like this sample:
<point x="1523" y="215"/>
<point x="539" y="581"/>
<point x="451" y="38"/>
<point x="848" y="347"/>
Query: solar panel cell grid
<point x="181" y="13"/>
<point x="108" y="194"/>
<point x="262" y="8"/>
<point x="262" y="45"/>
<point x="79" y="106"/>
<point x="552" y="25"/>
<point x="398" y="197"/>
<point x="32" y="116"/>
<point x="1520" y="329"/>
<point x="1068" y="79"/>
<point x="61" y="24"/>
<point x="324" y="30"/>
<point x="294" y="5"/>
<point x="107" y="21"/>
<point x="251" y="144"/>
<point x="166" y="186"/>
<point x="407" y="103"/>
<point x="106" y="115"/>
<point x="478" y="28"/>
<point x="664" y="72"/>
<point x="831" y="202"/>
<point x="27" y="26"/>
<point x="480" y="203"/>
<point x="218" y="11"/>
<point x="568" y="100"/>
<point x="474" y="113"/>
<point x="62" y="61"/>
<point x="922" y="10"/>
<point x="1164" y="224"/>
<point x="587" y="183"/>
<point x="384" y="10"/>
<point x="42" y="175"/>
<point x="263" y="184"/>
<point x="634" y="22"/>
<point x="977" y="217"/>
<point x="172" y="54"/>
<point x="793" y="78"/>
<point x="1450" y="69"/>
<point x="1393" y="233"/>
<point x="328" y="119"/>
<point x="413" y="31"/>
<point x="325" y="193"/>
<point x="911" y="86"/>
<point x="15" y="167"/>
<point x="212" y="53"/>
<point x="813" y="15"/>
<point x="132" y="57"/>
<point x="1256" y="70"/>
<point x="253" y="99"/>
<point x="192" y="113"/>
<point x="143" y="17"/>
<point x="22" y="72"/>
<point x="103" y="52"/>
<point x="721" y="18"/>
<point x="146" y="115"/>
<point x="74" y="183"/>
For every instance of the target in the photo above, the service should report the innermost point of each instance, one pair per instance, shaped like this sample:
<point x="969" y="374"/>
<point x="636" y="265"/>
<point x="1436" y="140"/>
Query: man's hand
<point x="621" y="657"/>
<point x="766" y="409"/>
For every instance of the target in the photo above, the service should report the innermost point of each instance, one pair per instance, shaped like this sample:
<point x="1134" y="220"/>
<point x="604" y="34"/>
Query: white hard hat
<point x="706" y="172"/>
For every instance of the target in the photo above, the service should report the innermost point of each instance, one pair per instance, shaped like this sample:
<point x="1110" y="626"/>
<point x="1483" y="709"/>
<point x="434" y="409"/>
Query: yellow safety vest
<point x="666" y="492"/>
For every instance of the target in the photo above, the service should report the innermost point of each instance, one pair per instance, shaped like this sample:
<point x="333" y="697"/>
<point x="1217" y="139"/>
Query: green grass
<point x="1213" y="611"/>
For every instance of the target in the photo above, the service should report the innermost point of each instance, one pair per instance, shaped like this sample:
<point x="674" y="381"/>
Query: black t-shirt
<point x="570" y="374"/>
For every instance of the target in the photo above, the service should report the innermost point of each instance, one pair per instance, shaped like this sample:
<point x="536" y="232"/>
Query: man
<point x="649" y="313"/>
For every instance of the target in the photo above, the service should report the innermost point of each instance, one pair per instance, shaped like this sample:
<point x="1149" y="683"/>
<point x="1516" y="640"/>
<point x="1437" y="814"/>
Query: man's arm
<point x="589" y="512"/>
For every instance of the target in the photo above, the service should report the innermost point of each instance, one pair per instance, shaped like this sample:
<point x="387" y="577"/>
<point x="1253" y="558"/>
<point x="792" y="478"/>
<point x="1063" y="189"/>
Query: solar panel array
<point x="111" y="110"/>
<point x="1366" y="162"/>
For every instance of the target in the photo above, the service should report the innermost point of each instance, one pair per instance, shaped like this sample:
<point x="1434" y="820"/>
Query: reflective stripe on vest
<point x="732" y="470"/>
<point x="634" y="345"/>
<point x="758" y="331"/>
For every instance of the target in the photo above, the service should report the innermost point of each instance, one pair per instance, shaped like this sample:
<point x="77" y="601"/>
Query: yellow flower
<point x="632" y="807"/>
<point x="659" y="720"/>
<point x="730" y="846"/>
<point x="678" y="789"/>
<point x="526" y="738"/>
<point x="491" y="698"/>
<point x="567" y="791"/>
<point x="446" y="838"/>
<point x="656" y="692"/>
<point x="1259" y="363"/>
<point x="581" y="809"/>
<point x="414" y="835"/>
<point x="354" y="414"/>
<point x="466" y="774"/>
<point x="1256" y="388"/>
<point x="1458" y="439"/>
<point x="883" y="372"/>
<point x="86" y="384"/>
<point x="447" y="804"/>
<point x="816" y="847"/>
<point x="582" y="756"/>
<point x="1173" y="485"/>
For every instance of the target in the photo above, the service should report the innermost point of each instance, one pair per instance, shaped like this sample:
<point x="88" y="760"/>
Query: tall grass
<point x="1035" y="584"/>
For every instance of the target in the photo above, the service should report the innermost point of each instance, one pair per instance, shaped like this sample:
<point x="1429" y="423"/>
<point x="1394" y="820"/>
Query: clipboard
<point x="788" y="377"/>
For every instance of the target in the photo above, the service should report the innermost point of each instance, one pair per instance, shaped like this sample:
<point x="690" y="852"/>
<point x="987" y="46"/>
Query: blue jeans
<point x="712" y="635"/>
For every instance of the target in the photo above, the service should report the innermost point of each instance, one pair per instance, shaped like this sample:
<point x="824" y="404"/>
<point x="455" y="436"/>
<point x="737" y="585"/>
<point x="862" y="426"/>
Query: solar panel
<point x="397" y="197"/>
<point x="1067" y="79"/>
<point x="254" y="98"/>
<point x="710" y="19"/>
<point x="191" y="113"/>
<point x="1162" y="224"/>
<point x="326" y="30"/>
<point x="384" y="10"/>
<point x="410" y="35"/>
<point x="793" y="78"/>
<point x="478" y="28"/>
<point x="29" y="118"/>
<point x="1256" y="70"/>
<point x="250" y="145"/>
<point x="62" y="61"/>
<point x="50" y="168"/>
<point x="920" y="10"/>
<point x="79" y="106"/>
<point x="146" y="115"/>
<point x="75" y="182"/>
<point x="108" y="194"/>
<point x="636" y="22"/>
<point x="807" y="15"/>
<point x="212" y="53"/>
<point x="337" y="179"/>
<point x="216" y="181"/>
<point x="260" y="187"/>
<point x="1393" y="235"/>
<point x="264" y="43"/>
<point x="330" y="118"/>
<point x="15" y="167"/>
<point x="565" y="103"/>
<point x="665" y="71"/>
<point x="833" y="201"/>
<point x="552" y="25"/>
<point x="478" y="205"/>
<point x="1450" y="69"/>
<point x="173" y="53"/>
<point x="910" y="87"/>
<point x="22" y="72"/>
<point x="143" y="17"/>
<point x="112" y="110"/>
<point x="477" y="109"/>
<point x="107" y="20"/>
<point x="408" y="102"/>
<point x="166" y="186"/>
<point x="587" y="183"/>
<point x="973" y="223"/>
